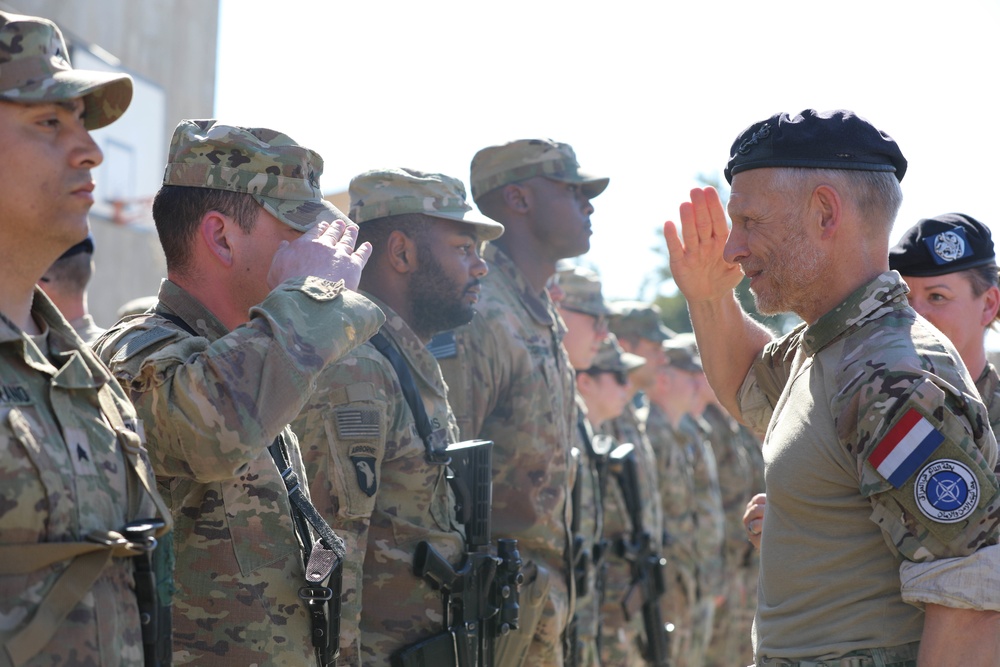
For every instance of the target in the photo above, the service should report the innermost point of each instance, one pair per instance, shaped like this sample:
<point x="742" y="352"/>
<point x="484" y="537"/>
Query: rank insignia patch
<point x="946" y="491"/>
<point x="364" y="467"/>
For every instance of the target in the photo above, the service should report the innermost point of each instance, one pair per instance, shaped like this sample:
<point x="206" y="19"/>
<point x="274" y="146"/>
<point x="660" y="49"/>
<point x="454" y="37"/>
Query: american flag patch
<point x="910" y="442"/>
<point x="355" y="423"/>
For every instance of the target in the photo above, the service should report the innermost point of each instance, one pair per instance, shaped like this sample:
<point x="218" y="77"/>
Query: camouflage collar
<point x="80" y="369"/>
<point x="884" y="294"/>
<point x="417" y="357"/>
<point x="175" y="299"/>
<point x="540" y="306"/>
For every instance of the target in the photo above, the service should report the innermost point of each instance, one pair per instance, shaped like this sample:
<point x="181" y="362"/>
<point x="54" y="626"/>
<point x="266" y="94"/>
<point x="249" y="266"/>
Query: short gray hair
<point x="876" y="194"/>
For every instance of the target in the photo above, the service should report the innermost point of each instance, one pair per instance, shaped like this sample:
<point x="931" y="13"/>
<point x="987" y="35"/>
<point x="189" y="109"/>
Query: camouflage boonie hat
<point x="35" y="67"/>
<point x="611" y="358"/>
<point x="637" y="318"/>
<point x="280" y="175"/>
<point x="682" y="353"/>
<point x="582" y="291"/>
<point x="497" y="166"/>
<point x="383" y="192"/>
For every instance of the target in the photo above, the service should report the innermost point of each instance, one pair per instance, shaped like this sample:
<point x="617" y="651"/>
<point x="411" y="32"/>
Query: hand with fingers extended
<point x="696" y="250"/>
<point x="325" y="251"/>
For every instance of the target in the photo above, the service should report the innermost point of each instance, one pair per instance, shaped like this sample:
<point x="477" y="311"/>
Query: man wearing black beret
<point x="882" y="509"/>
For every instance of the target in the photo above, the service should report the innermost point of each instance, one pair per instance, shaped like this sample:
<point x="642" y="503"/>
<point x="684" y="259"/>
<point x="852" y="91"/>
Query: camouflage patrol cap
<point x="637" y="318"/>
<point x="496" y="166"/>
<point x="581" y="291"/>
<point x="611" y="358"/>
<point x="381" y="193"/>
<point x="682" y="353"/>
<point x="35" y="67"/>
<point x="280" y="175"/>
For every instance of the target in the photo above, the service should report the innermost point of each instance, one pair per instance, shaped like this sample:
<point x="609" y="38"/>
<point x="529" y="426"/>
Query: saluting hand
<point x="325" y="251"/>
<point x="697" y="263"/>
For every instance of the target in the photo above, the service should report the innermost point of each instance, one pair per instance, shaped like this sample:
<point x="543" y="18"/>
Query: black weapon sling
<point x="324" y="559"/>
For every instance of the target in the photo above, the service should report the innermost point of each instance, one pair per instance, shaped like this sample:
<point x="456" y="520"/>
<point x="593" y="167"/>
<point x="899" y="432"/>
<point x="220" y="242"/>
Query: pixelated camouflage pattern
<point x="496" y="166"/>
<point x="511" y="382"/>
<point x="856" y="371"/>
<point x="590" y="525"/>
<point x="279" y="174"/>
<point x="399" y="191"/>
<point x="619" y="647"/>
<point x="63" y="475"/>
<point x="581" y="291"/>
<point x="212" y="404"/>
<point x="379" y="492"/>
<point x="680" y="524"/>
<point x="988" y="386"/>
<point x="638" y="319"/>
<point x="35" y="67"/>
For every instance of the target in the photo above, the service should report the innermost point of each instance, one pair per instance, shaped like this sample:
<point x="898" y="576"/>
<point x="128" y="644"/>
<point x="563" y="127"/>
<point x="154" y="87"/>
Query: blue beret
<point x="815" y="140"/>
<point x="946" y="243"/>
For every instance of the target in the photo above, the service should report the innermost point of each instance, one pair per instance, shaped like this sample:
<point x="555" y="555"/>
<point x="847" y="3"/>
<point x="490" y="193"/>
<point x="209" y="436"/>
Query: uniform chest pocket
<point x="257" y="513"/>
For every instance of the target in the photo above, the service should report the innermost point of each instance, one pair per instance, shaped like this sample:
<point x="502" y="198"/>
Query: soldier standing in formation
<point x="257" y="303"/>
<point x="511" y="382"/>
<point x="65" y="283"/>
<point x="72" y="469"/>
<point x="380" y="479"/>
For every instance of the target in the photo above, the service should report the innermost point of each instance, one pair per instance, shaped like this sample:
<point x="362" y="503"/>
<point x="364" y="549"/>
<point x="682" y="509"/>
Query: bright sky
<point x="649" y="93"/>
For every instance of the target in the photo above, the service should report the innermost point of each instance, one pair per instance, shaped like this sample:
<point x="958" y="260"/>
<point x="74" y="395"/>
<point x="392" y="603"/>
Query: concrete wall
<point x="170" y="43"/>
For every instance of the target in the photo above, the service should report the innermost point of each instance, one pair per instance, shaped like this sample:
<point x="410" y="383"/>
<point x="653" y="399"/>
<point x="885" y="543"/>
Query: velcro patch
<point x="904" y="448"/>
<point x="138" y="343"/>
<point x="443" y="346"/>
<point x="364" y="467"/>
<point x="946" y="490"/>
<point x="357" y="423"/>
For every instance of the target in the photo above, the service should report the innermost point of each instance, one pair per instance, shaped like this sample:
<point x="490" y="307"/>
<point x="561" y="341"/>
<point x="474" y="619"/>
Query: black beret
<point x="815" y="140"/>
<point x="943" y="244"/>
<point x="86" y="245"/>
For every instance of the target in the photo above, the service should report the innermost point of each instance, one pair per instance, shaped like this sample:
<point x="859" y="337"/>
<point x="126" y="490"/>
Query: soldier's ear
<point x="827" y="206"/>
<point x="215" y="234"/>
<point x="401" y="252"/>
<point x="516" y="197"/>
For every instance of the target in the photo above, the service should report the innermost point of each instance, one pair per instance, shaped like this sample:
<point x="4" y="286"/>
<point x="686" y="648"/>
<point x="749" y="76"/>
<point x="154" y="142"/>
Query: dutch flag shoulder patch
<point x="905" y="448"/>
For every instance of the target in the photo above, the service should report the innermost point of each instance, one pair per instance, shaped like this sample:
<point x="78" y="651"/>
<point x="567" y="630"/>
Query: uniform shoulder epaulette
<point x="138" y="342"/>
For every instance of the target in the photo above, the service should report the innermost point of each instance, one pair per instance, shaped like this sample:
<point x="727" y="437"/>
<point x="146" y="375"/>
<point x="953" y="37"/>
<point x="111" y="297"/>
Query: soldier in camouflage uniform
<point x="685" y="397"/>
<point x="584" y="312"/>
<point x="257" y="303"/>
<point x="369" y="470"/>
<point x="510" y="380"/>
<point x="949" y="265"/>
<point x="879" y="458"/>
<point x="606" y="388"/>
<point x="72" y="468"/>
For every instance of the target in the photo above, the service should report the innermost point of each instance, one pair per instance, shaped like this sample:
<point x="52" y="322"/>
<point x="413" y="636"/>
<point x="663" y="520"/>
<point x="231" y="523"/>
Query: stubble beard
<point x="792" y="280"/>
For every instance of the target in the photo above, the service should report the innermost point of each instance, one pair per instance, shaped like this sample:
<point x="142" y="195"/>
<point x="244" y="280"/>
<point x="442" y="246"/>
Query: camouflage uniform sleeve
<point x="925" y="461"/>
<point x="344" y="429"/>
<point x="211" y="407"/>
<point x="475" y="376"/>
<point x="767" y="377"/>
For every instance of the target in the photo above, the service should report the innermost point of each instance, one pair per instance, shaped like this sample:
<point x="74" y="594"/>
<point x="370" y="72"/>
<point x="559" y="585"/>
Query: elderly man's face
<point x="771" y="242"/>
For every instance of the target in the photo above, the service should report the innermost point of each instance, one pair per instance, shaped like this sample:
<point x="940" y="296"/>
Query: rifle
<point x="648" y="577"/>
<point x="481" y="596"/>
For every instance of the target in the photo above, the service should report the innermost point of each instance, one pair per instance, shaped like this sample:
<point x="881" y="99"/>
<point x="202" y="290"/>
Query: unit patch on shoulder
<point x="946" y="491"/>
<point x="910" y="442"/>
<point x="364" y="468"/>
